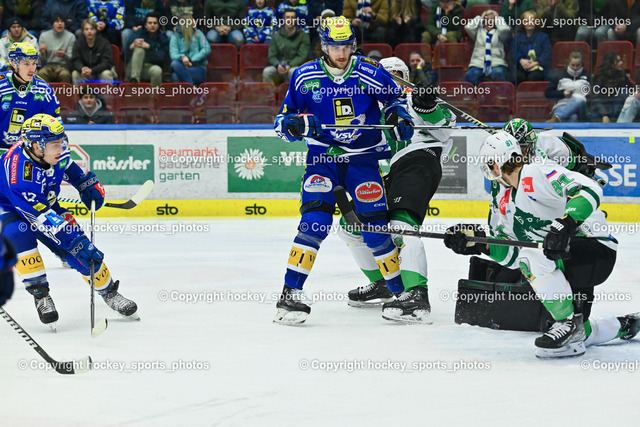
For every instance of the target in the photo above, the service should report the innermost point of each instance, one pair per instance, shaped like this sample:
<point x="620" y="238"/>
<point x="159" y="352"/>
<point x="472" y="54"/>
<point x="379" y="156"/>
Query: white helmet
<point x="393" y="63"/>
<point x="498" y="149"/>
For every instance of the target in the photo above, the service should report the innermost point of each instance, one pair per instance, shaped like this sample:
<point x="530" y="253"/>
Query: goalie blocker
<point x="497" y="297"/>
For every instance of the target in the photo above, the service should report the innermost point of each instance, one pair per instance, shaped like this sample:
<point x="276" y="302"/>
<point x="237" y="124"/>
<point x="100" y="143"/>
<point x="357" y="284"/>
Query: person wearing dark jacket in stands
<point x="91" y="57"/>
<point x="91" y="110"/>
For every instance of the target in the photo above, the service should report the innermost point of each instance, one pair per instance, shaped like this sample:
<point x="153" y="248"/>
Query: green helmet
<point x="523" y="132"/>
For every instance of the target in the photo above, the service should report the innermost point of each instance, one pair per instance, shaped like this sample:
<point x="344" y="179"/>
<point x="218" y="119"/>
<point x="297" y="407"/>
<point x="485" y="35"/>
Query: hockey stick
<point x="102" y="324"/>
<point x="350" y="216"/>
<point x="73" y="367"/>
<point x="142" y="194"/>
<point x="374" y="126"/>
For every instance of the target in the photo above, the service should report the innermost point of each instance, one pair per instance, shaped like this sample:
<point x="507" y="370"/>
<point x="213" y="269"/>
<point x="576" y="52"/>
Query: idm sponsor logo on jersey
<point x="343" y="110"/>
<point x="121" y="164"/>
<point x="369" y="192"/>
<point x="317" y="184"/>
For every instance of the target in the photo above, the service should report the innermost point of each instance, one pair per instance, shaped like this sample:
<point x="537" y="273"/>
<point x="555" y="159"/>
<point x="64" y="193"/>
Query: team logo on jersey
<point x="504" y="200"/>
<point x="369" y="192"/>
<point x="6" y="106"/>
<point x="527" y="184"/>
<point x="317" y="96"/>
<point x="27" y="173"/>
<point x="343" y="110"/>
<point x="317" y="184"/>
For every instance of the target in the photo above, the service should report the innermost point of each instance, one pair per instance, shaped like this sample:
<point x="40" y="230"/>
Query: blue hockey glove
<point x="298" y="126"/>
<point x="84" y="251"/>
<point x="7" y="261"/>
<point x="556" y="242"/>
<point x="402" y="124"/>
<point x="91" y="189"/>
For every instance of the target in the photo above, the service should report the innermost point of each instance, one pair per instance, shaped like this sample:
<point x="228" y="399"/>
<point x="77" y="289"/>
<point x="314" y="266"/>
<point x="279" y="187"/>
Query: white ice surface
<point x="254" y="374"/>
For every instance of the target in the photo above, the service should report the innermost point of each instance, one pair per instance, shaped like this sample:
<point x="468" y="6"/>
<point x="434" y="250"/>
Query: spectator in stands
<point x="369" y="19"/>
<point x="227" y="16"/>
<point x="627" y="17"/>
<point x="109" y="18"/>
<point x="90" y="110"/>
<point x="301" y="9"/>
<point x="488" y="60"/>
<point x="56" y="49"/>
<point x="611" y="86"/>
<point x="91" y="57"/>
<point x="29" y="11"/>
<point x="176" y="8"/>
<point x="75" y="11"/>
<point x="147" y="52"/>
<point x="316" y="50"/>
<point x="447" y="30"/>
<point x="570" y="89"/>
<point x="553" y="10"/>
<point x="288" y="50"/>
<point x="587" y="11"/>
<point x="135" y="12"/>
<point x="405" y="25"/>
<point x="631" y="108"/>
<point x="530" y="51"/>
<point x="17" y="33"/>
<point x="420" y="70"/>
<point x="188" y="49"/>
<point x="375" y="54"/>
<point x="511" y="9"/>
<point x="260" y="22"/>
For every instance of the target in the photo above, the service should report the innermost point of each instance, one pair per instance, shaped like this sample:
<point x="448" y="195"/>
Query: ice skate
<point x="292" y="307"/>
<point x="565" y="338"/>
<point x="630" y="325"/>
<point x="117" y="302"/>
<point x="45" y="306"/>
<point x="409" y="307"/>
<point x="372" y="294"/>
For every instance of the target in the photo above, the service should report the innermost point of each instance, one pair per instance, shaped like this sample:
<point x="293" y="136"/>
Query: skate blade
<point x="418" y="316"/>
<point x="371" y="303"/>
<point x="570" y="350"/>
<point x="99" y="328"/>
<point x="290" y="318"/>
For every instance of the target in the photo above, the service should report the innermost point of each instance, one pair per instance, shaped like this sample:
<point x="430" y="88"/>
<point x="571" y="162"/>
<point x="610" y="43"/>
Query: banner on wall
<point x="624" y="156"/>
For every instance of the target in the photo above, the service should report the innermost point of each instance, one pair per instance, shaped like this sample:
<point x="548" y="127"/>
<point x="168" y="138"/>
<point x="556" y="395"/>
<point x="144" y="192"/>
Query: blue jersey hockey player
<point x="34" y="168"/>
<point x="339" y="88"/>
<point x="22" y="93"/>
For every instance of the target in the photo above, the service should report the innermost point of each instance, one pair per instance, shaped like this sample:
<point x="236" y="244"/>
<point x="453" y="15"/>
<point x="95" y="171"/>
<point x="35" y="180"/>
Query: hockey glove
<point x="423" y="98"/>
<point x="7" y="261"/>
<point x="84" y="251"/>
<point x="456" y="239"/>
<point x="298" y="126"/>
<point x="401" y="122"/>
<point x="556" y="242"/>
<point x="90" y="189"/>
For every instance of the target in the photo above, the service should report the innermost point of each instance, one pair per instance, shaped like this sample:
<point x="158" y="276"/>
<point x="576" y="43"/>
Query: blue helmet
<point x="22" y="50"/>
<point x="337" y="31"/>
<point x="41" y="129"/>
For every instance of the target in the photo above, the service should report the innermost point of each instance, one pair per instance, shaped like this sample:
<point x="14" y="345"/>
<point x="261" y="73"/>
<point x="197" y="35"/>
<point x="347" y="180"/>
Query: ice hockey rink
<point x="220" y="360"/>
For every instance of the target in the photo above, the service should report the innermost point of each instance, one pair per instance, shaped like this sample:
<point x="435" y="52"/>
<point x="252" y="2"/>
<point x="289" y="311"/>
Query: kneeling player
<point x="34" y="169"/>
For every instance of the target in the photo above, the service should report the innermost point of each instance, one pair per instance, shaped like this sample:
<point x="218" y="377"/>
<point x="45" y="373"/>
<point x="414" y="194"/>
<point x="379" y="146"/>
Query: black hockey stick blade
<point x="353" y="221"/>
<point x="72" y="367"/>
<point x="142" y="194"/>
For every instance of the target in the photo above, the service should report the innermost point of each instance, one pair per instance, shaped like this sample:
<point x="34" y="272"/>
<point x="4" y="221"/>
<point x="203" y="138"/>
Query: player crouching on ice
<point x="339" y="88"/>
<point x="545" y="202"/>
<point x="34" y="168"/>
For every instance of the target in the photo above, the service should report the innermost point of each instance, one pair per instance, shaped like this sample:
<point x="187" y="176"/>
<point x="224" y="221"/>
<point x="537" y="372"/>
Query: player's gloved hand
<point x="556" y="242"/>
<point x="298" y="126"/>
<point x="423" y="98"/>
<point x="456" y="239"/>
<point x="7" y="261"/>
<point x="402" y="124"/>
<point x="91" y="189"/>
<point x="84" y="251"/>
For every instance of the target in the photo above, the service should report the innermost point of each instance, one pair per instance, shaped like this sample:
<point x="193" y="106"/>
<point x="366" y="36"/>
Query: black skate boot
<point x="375" y="293"/>
<point x="44" y="304"/>
<point x="409" y="307"/>
<point x="117" y="302"/>
<point x="565" y="338"/>
<point x="629" y="326"/>
<point x="292" y="309"/>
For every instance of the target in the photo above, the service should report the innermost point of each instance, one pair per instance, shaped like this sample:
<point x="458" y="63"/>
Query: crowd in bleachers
<point x="229" y="61"/>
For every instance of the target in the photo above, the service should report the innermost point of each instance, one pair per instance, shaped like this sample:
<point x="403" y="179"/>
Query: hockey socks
<point x="301" y="258"/>
<point x="386" y="257"/>
<point x="414" y="258"/>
